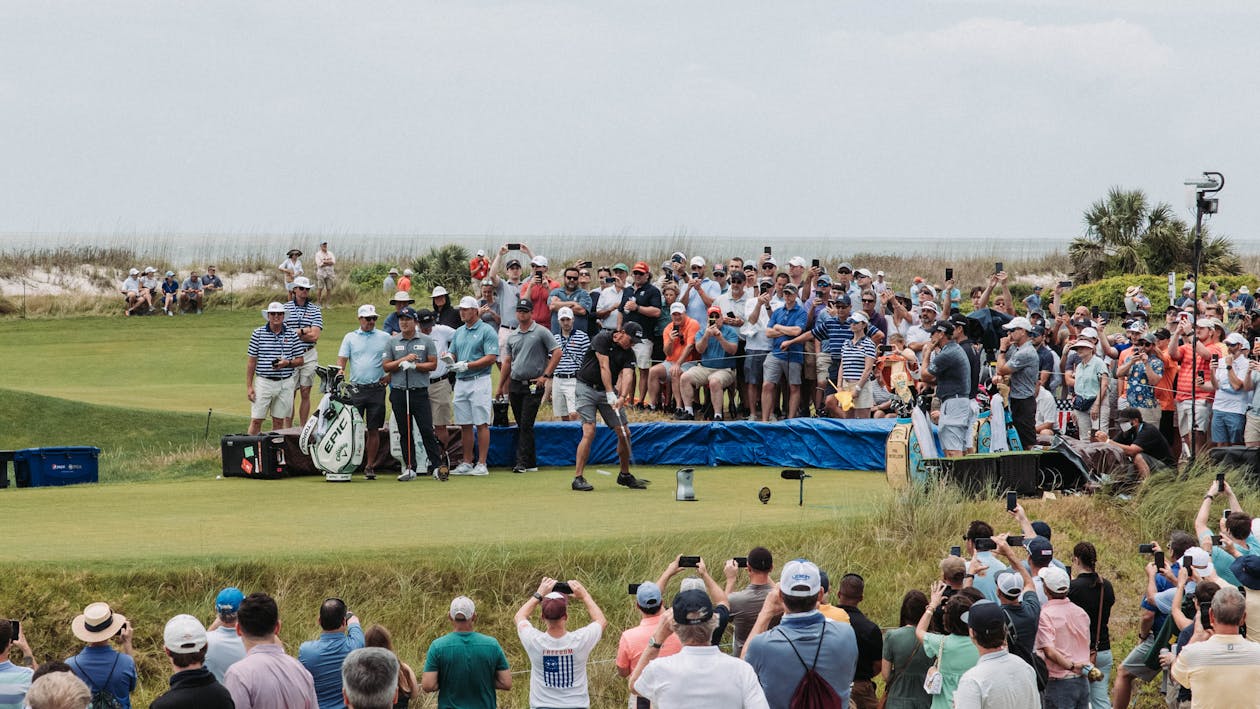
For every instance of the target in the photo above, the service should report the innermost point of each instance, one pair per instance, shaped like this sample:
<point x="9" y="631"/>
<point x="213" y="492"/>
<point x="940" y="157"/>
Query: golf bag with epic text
<point x="333" y="437"/>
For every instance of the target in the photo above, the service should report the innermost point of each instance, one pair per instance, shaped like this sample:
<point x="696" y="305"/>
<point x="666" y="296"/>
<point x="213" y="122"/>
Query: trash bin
<point x="66" y="465"/>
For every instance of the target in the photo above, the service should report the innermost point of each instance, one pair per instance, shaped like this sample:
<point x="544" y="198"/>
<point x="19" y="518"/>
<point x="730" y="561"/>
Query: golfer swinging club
<point x="603" y="383"/>
<point x="410" y="359"/>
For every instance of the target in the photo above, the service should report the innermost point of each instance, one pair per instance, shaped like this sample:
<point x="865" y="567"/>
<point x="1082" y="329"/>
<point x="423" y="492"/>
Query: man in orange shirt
<point x="679" y="339"/>
<point x="1193" y="395"/>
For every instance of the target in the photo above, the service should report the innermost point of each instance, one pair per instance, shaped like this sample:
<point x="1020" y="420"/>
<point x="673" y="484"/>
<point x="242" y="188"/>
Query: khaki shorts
<point x="700" y="376"/>
<point x="809" y="372"/>
<point x="863" y="398"/>
<point x="822" y="365"/>
<point x="440" y="402"/>
<point x="564" y="396"/>
<point x="643" y="354"/>
<point x="1202" y="414"/>
<point x="272" y="398"/>
<point x="325" y="278"/>
<point x="1251" y="434"/>
<point x="305" y="374"/>
<point x="504" y="334"/>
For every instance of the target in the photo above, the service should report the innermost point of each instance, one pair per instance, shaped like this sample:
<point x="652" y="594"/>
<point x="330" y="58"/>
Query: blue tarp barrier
<point x="795" y="443"/>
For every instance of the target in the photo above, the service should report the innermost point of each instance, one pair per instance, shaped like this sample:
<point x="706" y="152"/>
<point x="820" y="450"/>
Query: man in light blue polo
<point x="829" y="647"/>
<point x="474" y="348"/>
<point x="341" y="634"/>
<point x="365" y="350"/>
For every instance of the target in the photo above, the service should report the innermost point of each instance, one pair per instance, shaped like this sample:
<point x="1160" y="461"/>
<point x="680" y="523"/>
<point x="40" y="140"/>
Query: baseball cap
<point x="634" y="330"/>
<point x="513" y="263"/>
<point x="365" y="311"/>
<point x="695" y="583"/>
<point x="554" y="606"/>
<point x="641" y="267"/>
<point x="1137" y="326"/>
<point x="844" y="266"/>
<point x="1150" y="338"/>
<point x="407" y="313"/>
<point x="1040" y="550"/>
<point x="692" y="603"/>
<point x="859" y="316"/>
<point x="879" y="273"/>
<point x="770" y="260"/>
<point x="1201" y="561"/>
<point x="738" y="276"/>
<point x="953" y="566"/>
<point x="1246" y="569"/>
<point x="944" y="326"/>
<point x="150" y="269"/>
<point x="468" y="302"/>
<point x="229" y="600"/>
<point x="565" y="313"/>
<point x="1089" y="332"/>
<point x="408" y="272"/>
<point x="1236" y="339"/>
<point x="522" y="305"/>
<point x="1009" y="583"/>
<point x="184" y="634"/>
<point x="424" y="315"/>
<point x="796" y="261"/>
<point x="930" y="305"/>
<point x="462" y="608"/>
<point x="1042" y="528"/>
<point x="1086" y="344"/>
<point x="843" y="299"/>
<point x="862" y="272"/>
<point x="800" y="578"/>
<point x="620" y="267"/>
<point x="697" y="260"/>
<point x="677" y="308"/>
<point x="789" y="288"/>
<point x="1055" y="579"/>
<point x="538" y="261"/>
<point x="714" y="310"/>
<point x="133" y="272"/>
<point x="648" y="596"/>
<point x="1037" y="287"/>
<point x="824" y="281"/>
<point x="438" y="290"/>
<point x="169" y="274"/>
<point x="985" y="616"/>
<point x="401" y="296"/>
<point x="1020" y="323"/>
<point x="481" y="252"/>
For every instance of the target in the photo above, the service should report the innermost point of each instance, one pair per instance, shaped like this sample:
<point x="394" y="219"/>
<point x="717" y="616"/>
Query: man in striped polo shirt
<point x="306" y="319"/>
<point x="275" y="353"/>
<point x="14" y="679"/>
<point x="573" y="346"/>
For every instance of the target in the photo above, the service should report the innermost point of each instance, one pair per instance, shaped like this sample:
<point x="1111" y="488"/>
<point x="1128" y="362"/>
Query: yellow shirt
<point x="1222" y="671"/>
<point x="837" y="614"/>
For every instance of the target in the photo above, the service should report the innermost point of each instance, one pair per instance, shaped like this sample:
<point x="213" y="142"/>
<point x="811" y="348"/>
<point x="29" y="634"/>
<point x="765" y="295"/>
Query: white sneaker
<point x="407" y="475"/>
<point x="463" y="469"/>
<point x="479" y="469"/>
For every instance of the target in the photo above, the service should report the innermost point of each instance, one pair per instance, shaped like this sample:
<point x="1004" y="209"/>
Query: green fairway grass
<point x="307" y="517"/>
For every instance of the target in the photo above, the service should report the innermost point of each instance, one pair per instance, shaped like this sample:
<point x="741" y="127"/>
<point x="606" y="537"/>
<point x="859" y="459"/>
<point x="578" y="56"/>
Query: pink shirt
<point x="634" y="641"/>
<point x="1064" y="626"/>
<point x="269" y="678"/>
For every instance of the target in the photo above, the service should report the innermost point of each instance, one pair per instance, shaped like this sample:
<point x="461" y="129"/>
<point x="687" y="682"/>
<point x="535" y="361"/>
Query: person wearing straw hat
<point x="446" y="315"/>
<point x="291" y="267"/>
<point x="365" y="350"/>
<point x="306" y="319"/>
<point x="401" y="301"/>
<point x="275" y="354"/>
<point x="101" y="667"/>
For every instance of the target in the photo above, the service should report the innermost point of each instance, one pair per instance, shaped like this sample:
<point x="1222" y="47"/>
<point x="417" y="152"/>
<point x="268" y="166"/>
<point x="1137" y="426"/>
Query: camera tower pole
<point x="1210" y="183"/>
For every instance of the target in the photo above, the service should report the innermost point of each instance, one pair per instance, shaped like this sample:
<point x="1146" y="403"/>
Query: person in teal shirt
<point x="1235" y="531"/>
<point x="954" y="653"/>
<point x="1087" y="379"/>
<point x="464" y="667"/>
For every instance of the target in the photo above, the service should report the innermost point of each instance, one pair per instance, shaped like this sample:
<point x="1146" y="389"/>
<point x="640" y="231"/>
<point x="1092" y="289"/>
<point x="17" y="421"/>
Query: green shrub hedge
<point x="1108" y="294"/>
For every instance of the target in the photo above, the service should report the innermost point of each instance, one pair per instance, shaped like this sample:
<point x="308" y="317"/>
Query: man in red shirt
<point x="1194" y="392"/>
<point x="538" y="289"/>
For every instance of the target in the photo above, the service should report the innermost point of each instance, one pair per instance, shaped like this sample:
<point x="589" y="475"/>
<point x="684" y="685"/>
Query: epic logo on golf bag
<point x="333" y="437"/>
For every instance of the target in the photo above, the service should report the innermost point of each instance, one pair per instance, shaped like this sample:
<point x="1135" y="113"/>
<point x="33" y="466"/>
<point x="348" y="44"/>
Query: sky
<point x="907" y="118"/>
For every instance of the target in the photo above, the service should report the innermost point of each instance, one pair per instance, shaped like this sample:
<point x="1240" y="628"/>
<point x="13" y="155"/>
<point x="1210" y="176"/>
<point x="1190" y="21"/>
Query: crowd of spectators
<point x="1009" y="624"/>
<point x="144" y="294"/>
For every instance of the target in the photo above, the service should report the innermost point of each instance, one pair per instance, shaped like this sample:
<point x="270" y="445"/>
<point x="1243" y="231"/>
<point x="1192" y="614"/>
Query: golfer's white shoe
<point x="407" y="475"/>
<point x="462" y="469"/>
<point x="479" y="469"/>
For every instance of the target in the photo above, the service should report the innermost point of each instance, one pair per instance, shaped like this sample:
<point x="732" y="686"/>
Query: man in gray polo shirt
<point x="949" y="369"/>
<point x="528" y="362"/>
<point x="1017" y="360"/>
<point x="410" y="359"/>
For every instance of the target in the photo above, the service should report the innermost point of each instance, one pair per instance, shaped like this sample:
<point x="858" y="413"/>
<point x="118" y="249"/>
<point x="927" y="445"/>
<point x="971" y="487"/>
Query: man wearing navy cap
<point x="604" y="386"/>
<point x="223" y="645"/>
<point x="999" y="680"/>
<point x="411" y="358"/>
<point x="530" y="359"/>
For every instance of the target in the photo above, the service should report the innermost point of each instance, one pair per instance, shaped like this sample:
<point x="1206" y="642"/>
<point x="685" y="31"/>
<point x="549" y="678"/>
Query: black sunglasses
<point x="868" y="300"/>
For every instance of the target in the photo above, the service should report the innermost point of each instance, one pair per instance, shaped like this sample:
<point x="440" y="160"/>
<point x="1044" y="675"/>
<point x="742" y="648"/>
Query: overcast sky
<point x="905" y="118"/>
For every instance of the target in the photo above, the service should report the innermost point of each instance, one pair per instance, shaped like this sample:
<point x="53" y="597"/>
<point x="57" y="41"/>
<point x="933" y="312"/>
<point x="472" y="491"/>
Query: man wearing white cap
<point x="474" y="349"/>
<point x="365" y="350"/>
<point x="1088" y="378"/>
<point x="1233" y="385"/>
<point x="274" y="355"/>
<point x="1194" y="377"/>
<point x="697" y="291"/>
<point x="465" y="667"/>
<point x="1018" y="361"/>
<point x="101" y="667"/>
<point x="325" y="271"/>
<point x="538" y="289"/>
<point x="389" y="285"/>
<point x="404" y="283"/>
<point x="306" y="319"/>
<point x="830" y="647"/>
<point x="131" y="290"/>
<point x="192" y="686"/>
<point x="1063" y="641"/>
<point x="573" y="347"/>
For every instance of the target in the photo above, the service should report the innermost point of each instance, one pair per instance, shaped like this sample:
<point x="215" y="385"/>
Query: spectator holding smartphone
<point x="557" y="657"/>
<point x="101" y="667"/>
<point x="14" y="679"/>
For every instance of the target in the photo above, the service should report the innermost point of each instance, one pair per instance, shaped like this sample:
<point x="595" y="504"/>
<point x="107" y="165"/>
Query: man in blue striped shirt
<point x="573" y="347"/>
<point x="275" y="353"/>
<point x="306" y="319"/>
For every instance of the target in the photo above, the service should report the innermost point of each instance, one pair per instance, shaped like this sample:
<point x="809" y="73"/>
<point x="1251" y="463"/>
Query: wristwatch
<point x="652" y="643"/>
<point x="537" y="596"/>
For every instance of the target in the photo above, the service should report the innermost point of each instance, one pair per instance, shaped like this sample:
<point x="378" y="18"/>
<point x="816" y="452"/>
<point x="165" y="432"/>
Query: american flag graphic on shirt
<point x="558" y="669"/>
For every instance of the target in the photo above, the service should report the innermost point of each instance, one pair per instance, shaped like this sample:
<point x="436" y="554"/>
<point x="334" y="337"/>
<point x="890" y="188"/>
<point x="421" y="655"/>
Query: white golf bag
<point x="396" y="445"/>
<point x="333" y="437"/>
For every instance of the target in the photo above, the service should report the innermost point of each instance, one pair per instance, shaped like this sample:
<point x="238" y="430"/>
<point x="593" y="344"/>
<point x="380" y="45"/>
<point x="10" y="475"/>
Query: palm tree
<point x="1124" y="234"/>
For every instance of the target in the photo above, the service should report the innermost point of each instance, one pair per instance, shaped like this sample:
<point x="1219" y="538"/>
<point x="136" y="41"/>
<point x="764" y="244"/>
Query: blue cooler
<point x="45" y="467"/>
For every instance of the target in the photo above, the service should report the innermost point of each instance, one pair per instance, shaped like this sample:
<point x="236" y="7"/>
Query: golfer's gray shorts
<point x="590" y="400"/>
<point x="954" y="423"/>
<point x="775" y="368"/>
